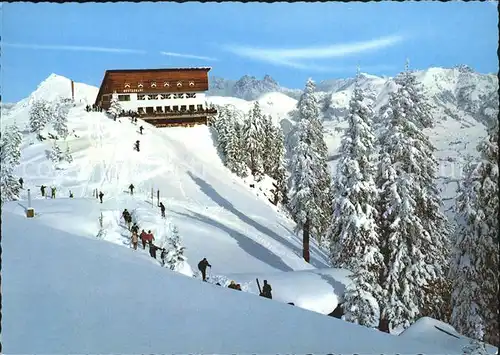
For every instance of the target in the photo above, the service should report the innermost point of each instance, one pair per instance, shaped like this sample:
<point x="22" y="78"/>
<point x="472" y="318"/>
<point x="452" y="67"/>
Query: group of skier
<point x="52" y="191"/>
<point x="147" y="239"/>
<point x="93" y="108"/>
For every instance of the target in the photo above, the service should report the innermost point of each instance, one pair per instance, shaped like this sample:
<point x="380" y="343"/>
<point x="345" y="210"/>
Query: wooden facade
<point x="137" y="83"/>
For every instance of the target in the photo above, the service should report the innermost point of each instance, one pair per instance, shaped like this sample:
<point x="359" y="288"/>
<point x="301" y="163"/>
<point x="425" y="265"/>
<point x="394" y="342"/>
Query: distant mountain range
<point x="450" y="89"/>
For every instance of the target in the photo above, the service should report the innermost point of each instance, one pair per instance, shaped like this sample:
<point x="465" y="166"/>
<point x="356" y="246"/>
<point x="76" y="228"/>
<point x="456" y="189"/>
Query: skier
<point x="202" y="266"/>
<point x="100" y="195"/>
<point x="143" y="237"/>
<point x="162" y="208"/>
<point x="135" y="228"/>
<point x="232" y="285"/>
<point x="21" y="181"/>
<point x="127" y="217"/>
<point x="134" y="240"/>
<point x="150" y="237"/>
<point x="137" y="145"/>
<point x="42" y="190"/>
<point x="131" y="188"/>
<point x="53" y="192"/>
<point x="141" y="129"/>
<point x="70" y="194"/>
<point x="152" y="250"/>
<point x="266" y="290"/>
<point x="238" y="287"/>
<point x="163" y="256"/>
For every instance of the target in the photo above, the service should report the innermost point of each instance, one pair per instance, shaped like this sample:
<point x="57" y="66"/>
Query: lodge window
<point x="127" y="86"/>
<point x="190" y="95"/>
<point x="123" y="97"/>
<point x="183" y="107"/>
<point x="165" y="96"/>
<point x="105" y="97"/>
<point x="166" y="84"/>
<point x="175" y="108"/>
<point x="159" y="109"/>
<point x="152" y="97"/>
<point x="191" y="107"/>
<point x="167" y="109"/>
<point x="149" y="109"/>
<point x="141" y="97"/>
<point x="179" y="84"/>
<point x="199" y="107"/>
<point x="191" y="83"/>
<point x="140" y="85"/>
<point x="140" y="109"/>
<point x="153" y="84"/>
<point x="178" y="96"/>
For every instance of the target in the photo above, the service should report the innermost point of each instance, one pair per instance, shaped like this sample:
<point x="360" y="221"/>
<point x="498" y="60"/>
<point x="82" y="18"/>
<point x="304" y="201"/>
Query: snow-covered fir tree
<point x="221" y="124"/>
<point x="269" y="139"/>
<point x="175" y="252"/>
<point x="254" y="141"/>
<point x="475" y="267"/>
<point x="310" y="179"/>
<point x="60" y="118"/>
<point x="13" y="139"/>
<point x="353" y="234"/>
<point x="56" y="154"/>
<point x="413" y="231"/>
<point x="41" y="113"/>
<point x="114" y="106"/>
<point x="278" y="167"/>
<point x="10" y="155"/>
<point x="235" y="158"/>
<point x="67" y="154"/>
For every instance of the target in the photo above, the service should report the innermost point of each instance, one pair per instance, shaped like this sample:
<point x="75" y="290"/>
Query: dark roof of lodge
<point x="157" y="69"/>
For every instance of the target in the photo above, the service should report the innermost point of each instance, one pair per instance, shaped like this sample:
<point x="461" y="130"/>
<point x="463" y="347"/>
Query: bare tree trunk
<point x="305" y="240"/>
<point x="383" y="325"/>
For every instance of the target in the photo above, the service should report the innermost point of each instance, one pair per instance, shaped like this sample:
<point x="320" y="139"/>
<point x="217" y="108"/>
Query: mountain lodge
<point x="162" y="97"/>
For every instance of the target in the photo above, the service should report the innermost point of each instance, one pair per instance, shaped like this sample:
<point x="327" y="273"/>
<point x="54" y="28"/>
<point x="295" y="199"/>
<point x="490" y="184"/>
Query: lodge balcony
<point x="177" y="118"/>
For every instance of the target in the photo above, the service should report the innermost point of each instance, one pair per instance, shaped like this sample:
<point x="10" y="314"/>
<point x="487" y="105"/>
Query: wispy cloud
<point x="295" y="57"/>
<point x="73" y="48"/>
<point x="191" y="56"/>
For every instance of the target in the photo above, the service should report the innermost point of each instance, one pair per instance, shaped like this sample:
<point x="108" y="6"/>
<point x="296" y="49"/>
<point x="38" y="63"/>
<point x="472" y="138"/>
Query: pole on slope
<point x="152" y="197"/>
<point x="30" y="211"/>
<point x="158" y="198"/>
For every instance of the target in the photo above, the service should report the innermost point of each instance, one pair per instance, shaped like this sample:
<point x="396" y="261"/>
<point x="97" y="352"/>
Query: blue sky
<point x="289" y="41"/>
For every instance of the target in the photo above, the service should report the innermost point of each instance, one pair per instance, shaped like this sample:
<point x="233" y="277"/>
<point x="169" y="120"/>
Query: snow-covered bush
<point x="175" y="251"/>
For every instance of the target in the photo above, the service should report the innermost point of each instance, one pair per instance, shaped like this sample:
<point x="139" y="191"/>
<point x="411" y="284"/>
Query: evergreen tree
<point x="175" y="254"/>
<point x="235" y="153"/>
<point x="60" y="118"/>
<point x="114" y="106"/>
<point x="475" y="257"/>
<point x="67" y="154"/>
<point x="269" y="139"/>
<point x="10" y="144"/>
<point x="56" y="154"/>
<point x="278" y="167"/>
<point x="13" y="139"/>
<point x="254" y="134"/>
<point x="310" y="179"/>
<point x="221" y="125"/>
<point x="413" y="230"/>
<point x="353" y="235"/>
<point x="40" y="114"/>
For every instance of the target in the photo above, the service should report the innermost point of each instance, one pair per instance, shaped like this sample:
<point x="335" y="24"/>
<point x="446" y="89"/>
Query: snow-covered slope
<point x="62" y="293"/>
<point x="218" y="215"/>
